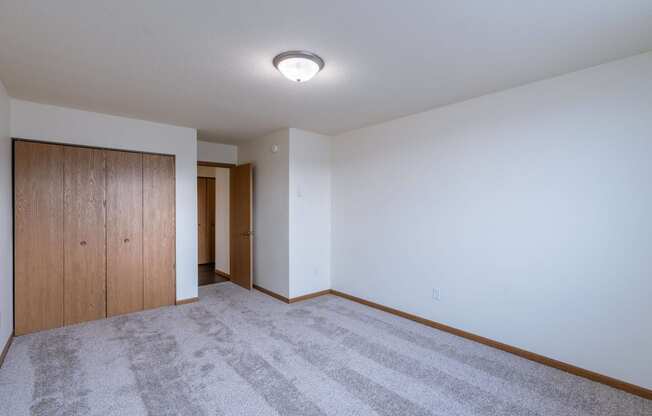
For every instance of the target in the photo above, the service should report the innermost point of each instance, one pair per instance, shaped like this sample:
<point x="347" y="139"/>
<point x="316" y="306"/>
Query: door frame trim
<point x="531" y="356"/>
<point x="228" y="166"/>
<point x="216" y="164"/>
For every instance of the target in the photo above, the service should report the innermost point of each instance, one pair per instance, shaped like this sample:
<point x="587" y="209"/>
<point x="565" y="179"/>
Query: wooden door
<point x="38" y="222"/>
<point x="202" y="222"/>
<point x="241" y="212"/>
<point x="159" y="234"/>
<point x="210" y="211"/>
<point x="124" y="233"/>
<point x="84" y="235"/>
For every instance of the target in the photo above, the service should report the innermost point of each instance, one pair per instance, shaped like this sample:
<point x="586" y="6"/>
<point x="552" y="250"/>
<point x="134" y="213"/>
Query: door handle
<point x="248" y="234"/>
<point x="82" y="243"/>
<point x="126" y="240"/>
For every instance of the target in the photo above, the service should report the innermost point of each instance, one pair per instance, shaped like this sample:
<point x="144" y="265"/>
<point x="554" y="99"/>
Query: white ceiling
<point x="207" y="63"/>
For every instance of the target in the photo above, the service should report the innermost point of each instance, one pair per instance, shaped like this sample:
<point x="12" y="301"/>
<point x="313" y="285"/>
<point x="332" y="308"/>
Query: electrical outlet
<point x="436" y="294"/>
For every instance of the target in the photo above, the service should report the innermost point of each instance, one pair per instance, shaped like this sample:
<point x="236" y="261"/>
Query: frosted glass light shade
<point x="298" y="66"/>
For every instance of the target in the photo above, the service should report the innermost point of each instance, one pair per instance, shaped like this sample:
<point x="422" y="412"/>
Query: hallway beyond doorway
<point x="208" y="276"/>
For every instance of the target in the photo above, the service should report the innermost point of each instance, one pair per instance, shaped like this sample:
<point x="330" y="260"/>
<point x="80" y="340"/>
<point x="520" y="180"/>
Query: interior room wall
<point x="528" y="209"/>
<point x="309" y="212"/>
<point x="57" y="124"/>
<point x="216" y="152"/>
<point x="6" y="223"/>
<point x="271" y="218"/>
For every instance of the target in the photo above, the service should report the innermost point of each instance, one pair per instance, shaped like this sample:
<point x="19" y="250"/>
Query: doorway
<point x="224" y="223"/>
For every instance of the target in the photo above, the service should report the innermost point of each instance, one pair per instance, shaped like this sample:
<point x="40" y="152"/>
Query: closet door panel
<point x="84" y="235"/>
<point x="159" y="234"/>
<point x="38" y="222"/>
<point x="124" y="234"/>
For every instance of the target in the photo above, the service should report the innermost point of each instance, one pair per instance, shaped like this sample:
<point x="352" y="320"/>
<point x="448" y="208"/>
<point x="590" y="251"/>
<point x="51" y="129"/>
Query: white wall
<point x="58" y="124"/>
<point x="222" y="220"/>
<point x="529" y="209"/>
<point x="271" y="222"/>
<point x="291" y="211"/>
<point x="6" y="221"/>
<point x="309" y="212"/>
<point x="216" y="152"/>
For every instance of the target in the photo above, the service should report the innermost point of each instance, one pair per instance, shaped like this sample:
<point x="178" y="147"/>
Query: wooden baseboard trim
<point x="222" y="274"/>
<point x="580" y="372"/>
<point x="550" y="362"/>
<point x="186" y="301"/>
<point x="310" y="296"/>
<point x="292" y="300"/>
<point x="272" y="294"/>
<point x="5" y="350"/>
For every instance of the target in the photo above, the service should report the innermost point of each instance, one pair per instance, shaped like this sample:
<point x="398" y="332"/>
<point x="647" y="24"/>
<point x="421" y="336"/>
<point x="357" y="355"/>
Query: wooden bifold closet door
<point x="124" y="234"/>
<point x="38" y="222"/>
<point x="84" y="235"/>
<point x="95" y="234"/>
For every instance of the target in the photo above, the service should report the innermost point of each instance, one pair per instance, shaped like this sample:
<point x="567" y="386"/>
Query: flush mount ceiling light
<point x="298" y="66"/>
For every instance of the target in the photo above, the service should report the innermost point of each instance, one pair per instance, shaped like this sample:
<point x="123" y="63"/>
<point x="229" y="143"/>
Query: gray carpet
<point x="244" y="353"/>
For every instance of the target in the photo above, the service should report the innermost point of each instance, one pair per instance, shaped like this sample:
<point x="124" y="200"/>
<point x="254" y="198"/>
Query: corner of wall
<point x="6" y="221"/>
<point x="309" y="212"/>
<point x="271" y="258"/>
